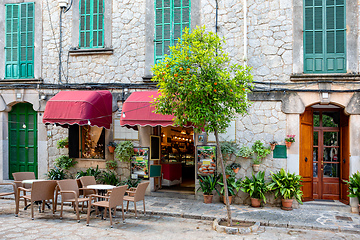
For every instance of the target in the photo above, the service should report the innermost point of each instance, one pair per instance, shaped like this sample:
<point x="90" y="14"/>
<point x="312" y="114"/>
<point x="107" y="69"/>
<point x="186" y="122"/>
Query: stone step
<point x="328" y="205"/>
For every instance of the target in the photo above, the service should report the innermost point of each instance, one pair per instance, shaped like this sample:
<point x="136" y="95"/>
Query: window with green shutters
<point x="91" y="24"/>
<point x="171" y="18"/>
<point x="19" y="40"/>
<point x="324" y="36"/>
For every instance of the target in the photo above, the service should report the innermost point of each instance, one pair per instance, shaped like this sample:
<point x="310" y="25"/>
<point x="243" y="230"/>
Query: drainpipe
<point x="245" y="33"/>
<point x="60" y="42"/>
<point x="216" y="16"/>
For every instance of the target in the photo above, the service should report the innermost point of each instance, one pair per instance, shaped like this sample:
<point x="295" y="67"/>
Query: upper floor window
<point x="324" y="36"/>
<point x="171" y="18"/>
<point x="91" y="24"/>
<point x="19" y="40"/>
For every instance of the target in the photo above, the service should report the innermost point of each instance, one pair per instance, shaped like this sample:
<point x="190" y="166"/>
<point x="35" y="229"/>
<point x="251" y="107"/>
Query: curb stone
<point x="234" y="230"/>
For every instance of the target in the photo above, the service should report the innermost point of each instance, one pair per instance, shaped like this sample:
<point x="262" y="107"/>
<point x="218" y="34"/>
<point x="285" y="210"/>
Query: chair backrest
<point x="140" y="191"/>
<point x="117" y="195"/>
<point x="68" y="185"/>
<point x="20" y="176"/>
<point x="43" y="190"/>
<point x="85" y="181"/>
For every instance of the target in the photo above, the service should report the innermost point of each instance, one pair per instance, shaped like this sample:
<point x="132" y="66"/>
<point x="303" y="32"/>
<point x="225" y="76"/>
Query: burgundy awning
<point x="138" y="110"/>
<point x="80" y="107"/>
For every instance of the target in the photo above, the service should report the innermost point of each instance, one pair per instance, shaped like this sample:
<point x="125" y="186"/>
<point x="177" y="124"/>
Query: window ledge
<point x="92" y="51"/>
<point x="325" y="77"/>
<point x="23" y="81"/>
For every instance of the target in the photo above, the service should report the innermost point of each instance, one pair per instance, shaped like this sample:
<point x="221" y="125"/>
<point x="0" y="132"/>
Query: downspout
<point x="60" y="43"/>
<point x="245" y="33"/>
<point x="216" y="16"/>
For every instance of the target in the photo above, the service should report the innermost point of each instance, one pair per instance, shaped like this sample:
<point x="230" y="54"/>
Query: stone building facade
<point x="271" y="41"/>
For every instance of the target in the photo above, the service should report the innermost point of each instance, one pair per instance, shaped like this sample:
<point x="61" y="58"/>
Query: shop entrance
<point x="324" y="153"/>
<point x="178" y="159"/>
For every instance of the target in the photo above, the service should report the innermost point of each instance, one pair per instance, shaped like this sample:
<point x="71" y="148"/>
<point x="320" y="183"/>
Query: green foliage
<point x="124" y="151"/>
<point x="286" y="185"/>
<point x="64" y="162"/>
<point x="132" y="183"/>
<point x="229" y="171"/>
<point x="89" y="172"/>
<point x="112" y="144"/>
<point x="111" y="164"/>
<point x="208" y="184"/>
<point x="229" y="148"/>
<point x="235" y="165"/>
<point x="290" y="138"/>
<point x="233" y="185"/>
<point x="245" y="152"/>
<point x="354" y="185"/>
<point x="109" y="177"/>
<point x="56" y="174"/>
<point x="256" y="186"/>
<point x="197" y="82"/>
<point x="260" y="151"/>
<point x="62" y="143"/>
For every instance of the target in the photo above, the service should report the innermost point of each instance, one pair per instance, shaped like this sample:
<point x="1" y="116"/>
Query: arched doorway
<point x="22" y="139"/>
<point x="324" y="152"/>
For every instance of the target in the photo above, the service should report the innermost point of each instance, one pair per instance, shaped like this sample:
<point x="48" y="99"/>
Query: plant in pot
<point x="63" y="143"/>
<point x="245" y="152"/>
<point x="235" y="167"/>
<point x="89" y="172"/>
<point x="288" y="186"/>
<point x="207" y="186"/>
<point x="261" y="151"/>
<point x="111" y="146"/>
<point x="109" y="177"/>
<point x="111" y="164"/>
<point x="354" y="186"/>
<point x="289" y="140"/>
<point x="229" y="171"/>
<point x="64" y="162"/>
<point x="273" y="145"/>
<point x="56" y="174"/>
<point x="124" y="151"/>
<point x="256" y="188"/>
<point x="229" y="148"/>
<point x="233" y="186"/>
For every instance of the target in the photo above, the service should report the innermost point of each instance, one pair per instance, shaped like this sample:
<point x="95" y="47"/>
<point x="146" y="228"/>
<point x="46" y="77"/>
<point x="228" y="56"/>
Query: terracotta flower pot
<point x="255" y="167"/>
<point x="230" y="199"/>
<point x="236" y="170"/>
<point x="286" y="204"/>
<point x="208" y="198"/>
<point x="272" y="147"/>
<point x="111" y="149"/>
<point x="255" y="202"/>
<point x="288" y="144"/>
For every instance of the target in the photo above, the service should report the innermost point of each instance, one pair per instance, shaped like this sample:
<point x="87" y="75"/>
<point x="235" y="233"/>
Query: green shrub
<point x="124" y="151"/>
<point x="109" y="177"/>
<point x="255" y="186"/>
<point x="208" y="184"/>
<point x="89" y="172"/>
<point x="354" y="185"/>
<point x="62" y="143"/>
<point x="56" y="174"/>
<point x="64" y="162"/>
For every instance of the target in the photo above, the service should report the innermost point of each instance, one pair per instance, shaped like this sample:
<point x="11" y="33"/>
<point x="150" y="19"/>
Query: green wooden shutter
<point x="19" y="40"/>
<point x="91" y="24"/>
<point x="171" y="18"/>
<point x="324" y="36"/>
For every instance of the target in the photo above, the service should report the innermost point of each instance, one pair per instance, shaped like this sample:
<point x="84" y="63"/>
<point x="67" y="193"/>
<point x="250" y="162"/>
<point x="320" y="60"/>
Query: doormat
<point x="324" y="200"/>
<point x="158" y="204"/>
<point x="349" y="219"/>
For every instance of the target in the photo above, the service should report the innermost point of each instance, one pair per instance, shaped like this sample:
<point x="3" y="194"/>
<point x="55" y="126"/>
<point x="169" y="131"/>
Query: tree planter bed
<point x="239" y="227"/>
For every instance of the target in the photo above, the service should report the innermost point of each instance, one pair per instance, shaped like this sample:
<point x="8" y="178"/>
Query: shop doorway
<point x="178" y="159"/>
<point x="324" y="152"/>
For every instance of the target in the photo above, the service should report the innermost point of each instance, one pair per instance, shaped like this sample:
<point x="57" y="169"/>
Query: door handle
<point x="344" y="160"/>
<point x="27" y="147"/>
<point x="306" y="159"/>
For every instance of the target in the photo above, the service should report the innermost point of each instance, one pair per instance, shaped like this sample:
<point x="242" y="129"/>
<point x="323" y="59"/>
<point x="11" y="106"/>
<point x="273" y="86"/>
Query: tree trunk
<point x="226" y="194"/>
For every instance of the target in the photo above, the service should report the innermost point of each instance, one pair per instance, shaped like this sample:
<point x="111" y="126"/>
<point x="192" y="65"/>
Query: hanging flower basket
<point x="288" y="144"/>
<point x="111" y="149"/>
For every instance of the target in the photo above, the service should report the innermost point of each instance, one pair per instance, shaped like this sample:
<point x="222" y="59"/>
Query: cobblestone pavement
<point x="152" y="227"/>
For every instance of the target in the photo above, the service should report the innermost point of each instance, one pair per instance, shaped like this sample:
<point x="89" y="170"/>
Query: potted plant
<point x="245" y="152"/>
<point x="354" y="186"/>
<point x="111" y="146"/>
<point x="89" y="172"/>
<point x="256" y="188"/>
<point x="289" y="140"/>
<point x="124" y="151"/>
<point x="273" y="145"/>
<point x="288" y="186"/>
<point x="229" y="148"/>
<point x="235" y="167"/>
<point x="229" y="172"/>
<point x="64" y="162"/>
<point x="233" y="186"/>
<point x="109" y="177"/>
<point x="63" y="143"/>
<point x="207" y="186"/>
<point x="56" y="174"/>
<point x="261" y="152"/>
<point x="111" y="164"/>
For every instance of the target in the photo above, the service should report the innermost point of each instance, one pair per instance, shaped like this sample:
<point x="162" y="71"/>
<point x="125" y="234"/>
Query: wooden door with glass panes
<point x="326" y="154"/>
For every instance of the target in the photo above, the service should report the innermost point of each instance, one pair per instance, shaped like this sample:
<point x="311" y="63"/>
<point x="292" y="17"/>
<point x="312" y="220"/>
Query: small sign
<point x="134" y="176"/>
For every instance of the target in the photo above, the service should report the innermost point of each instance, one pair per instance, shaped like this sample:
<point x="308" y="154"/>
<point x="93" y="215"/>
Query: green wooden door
<point x="22" y="139"/>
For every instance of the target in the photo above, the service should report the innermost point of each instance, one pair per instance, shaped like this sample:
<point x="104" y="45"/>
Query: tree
<point x="199" y="85"/>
